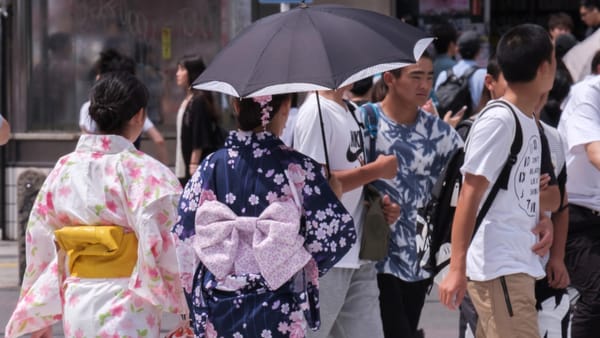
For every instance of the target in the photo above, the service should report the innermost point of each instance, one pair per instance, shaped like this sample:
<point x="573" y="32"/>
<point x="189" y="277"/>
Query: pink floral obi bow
<point x="268" y="244"/>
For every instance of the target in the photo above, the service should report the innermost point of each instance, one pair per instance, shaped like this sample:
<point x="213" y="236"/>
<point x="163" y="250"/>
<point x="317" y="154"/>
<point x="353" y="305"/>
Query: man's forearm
<point x="465" y="216"/>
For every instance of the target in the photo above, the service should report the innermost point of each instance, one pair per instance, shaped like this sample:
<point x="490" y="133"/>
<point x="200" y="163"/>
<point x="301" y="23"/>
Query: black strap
<point x="467" y="75"/>
<point x="503" y="178"/>
<point x="352" y="108"/>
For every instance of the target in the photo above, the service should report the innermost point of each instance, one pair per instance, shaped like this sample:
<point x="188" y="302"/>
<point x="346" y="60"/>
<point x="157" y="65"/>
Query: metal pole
<point x="323" y="136"/>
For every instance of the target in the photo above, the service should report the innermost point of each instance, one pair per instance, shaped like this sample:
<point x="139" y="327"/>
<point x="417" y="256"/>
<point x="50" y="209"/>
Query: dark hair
<point x="194" y="66"/>
<point x="494" y="70"/>
<point x="250" y="111"/>
<point x="361" y="87"/>
<point x="596" y="62"/>
<point x="398" y="71"/>
<point x="445" y="33"/>
<point x="112" y="61"/>
<point x="522" y="50"/>
<point x="560" y="19"/>
<point x="560" y="89"/>
<point x="379" y="90"/>
<point x="590" y="4"/>
<point x="115" y="99"/>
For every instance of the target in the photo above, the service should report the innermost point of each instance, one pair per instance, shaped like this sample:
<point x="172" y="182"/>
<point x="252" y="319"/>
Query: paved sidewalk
<point x="435" y="320"/>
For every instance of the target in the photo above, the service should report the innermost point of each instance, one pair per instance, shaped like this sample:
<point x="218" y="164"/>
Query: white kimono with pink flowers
<point x="106" y="181"/>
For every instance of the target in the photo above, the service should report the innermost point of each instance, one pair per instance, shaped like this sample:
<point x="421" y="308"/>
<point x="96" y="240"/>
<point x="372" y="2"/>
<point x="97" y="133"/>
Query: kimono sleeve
<point x="157" y="276"/>
<point x="40" y="303"/>
<point x="330" y="231"/>
<point x="184" y="229"/>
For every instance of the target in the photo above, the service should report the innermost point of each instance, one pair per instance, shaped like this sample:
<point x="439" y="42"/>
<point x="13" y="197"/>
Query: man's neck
<point x="523" y="96"/>
<point x="334" y="95"/>
<point x="398" y="111"/>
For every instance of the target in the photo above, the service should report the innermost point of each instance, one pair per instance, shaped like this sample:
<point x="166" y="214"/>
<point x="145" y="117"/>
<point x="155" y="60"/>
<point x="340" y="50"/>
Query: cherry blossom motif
<point x="69" y="197"/>
<point x="248" y="186"/>
<point x="106" y="143"/>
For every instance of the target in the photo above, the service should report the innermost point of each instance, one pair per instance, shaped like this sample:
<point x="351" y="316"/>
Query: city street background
<point x="437" y="321"/>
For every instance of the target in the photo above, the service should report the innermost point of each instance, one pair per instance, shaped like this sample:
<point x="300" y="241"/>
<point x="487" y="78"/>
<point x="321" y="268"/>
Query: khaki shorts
<point x="506" y="307"/>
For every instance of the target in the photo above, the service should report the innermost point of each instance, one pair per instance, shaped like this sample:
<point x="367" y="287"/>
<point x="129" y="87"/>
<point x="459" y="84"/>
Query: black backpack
<point x="454" y="93"/>
<point x="435" y="218"/>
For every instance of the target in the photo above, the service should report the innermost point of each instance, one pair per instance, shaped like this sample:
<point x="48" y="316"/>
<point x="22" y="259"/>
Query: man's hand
<point x="545" y="230"/>
<point x="544" y="181"/>
<point x="391" y="210"/>
<point x="453" y="120"/>
<point x="557" y="274"/>
<point x="388" y="165"/>
<point x="43" y="333"/>
<point x="452" y="289"/>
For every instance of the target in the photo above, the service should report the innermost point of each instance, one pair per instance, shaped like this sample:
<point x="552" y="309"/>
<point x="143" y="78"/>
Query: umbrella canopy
<point x="312" y="48"/>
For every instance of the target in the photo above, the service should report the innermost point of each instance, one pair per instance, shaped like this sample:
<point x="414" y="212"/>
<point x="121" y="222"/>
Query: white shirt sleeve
<point x="488" y="144"/>
<point x="584" y="125"/>
<point x="147" y="125"/>
<point x="85" y="121"/>
<point x="307" y="130"/>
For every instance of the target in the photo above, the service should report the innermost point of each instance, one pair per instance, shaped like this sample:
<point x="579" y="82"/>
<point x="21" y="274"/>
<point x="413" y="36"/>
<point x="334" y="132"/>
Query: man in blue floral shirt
<point x="422" y="143"/>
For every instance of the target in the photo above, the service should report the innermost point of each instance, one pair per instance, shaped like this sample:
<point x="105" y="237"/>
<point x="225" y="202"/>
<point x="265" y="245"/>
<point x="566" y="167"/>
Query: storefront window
<point x="68" y="35"/>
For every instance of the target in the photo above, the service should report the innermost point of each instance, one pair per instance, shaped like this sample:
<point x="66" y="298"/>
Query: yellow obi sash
<point x="102" y="251"/>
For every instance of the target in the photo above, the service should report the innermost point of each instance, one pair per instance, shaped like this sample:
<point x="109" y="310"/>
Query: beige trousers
<point x="506" y="307"/>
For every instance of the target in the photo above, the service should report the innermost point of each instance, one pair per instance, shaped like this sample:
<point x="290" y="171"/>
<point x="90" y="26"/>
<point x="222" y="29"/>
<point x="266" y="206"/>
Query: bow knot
<point x="269" y="244"/>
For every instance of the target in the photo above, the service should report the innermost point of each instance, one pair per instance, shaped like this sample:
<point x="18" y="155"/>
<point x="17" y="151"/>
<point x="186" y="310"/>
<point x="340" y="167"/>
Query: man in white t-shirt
<point x="348" y="292"/>
<point x="580" y="126"/>
<point x="501" y="261"/>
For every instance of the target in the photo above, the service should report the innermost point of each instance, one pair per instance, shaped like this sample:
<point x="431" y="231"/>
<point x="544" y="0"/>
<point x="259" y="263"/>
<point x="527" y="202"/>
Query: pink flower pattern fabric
<point x="105" y="181"/>
<point x="257" y="175"/>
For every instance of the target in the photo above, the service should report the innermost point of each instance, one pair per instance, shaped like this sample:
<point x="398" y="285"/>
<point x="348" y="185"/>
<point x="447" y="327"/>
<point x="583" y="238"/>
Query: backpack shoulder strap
<point x="470" y="72"/>
<point x="503" y="178"/>
<point x="371" y="120"/>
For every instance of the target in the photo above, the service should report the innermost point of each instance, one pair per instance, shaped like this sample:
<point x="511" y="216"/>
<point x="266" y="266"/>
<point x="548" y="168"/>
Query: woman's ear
<point x="235" y="103"/>
<point x="140" y="116"/>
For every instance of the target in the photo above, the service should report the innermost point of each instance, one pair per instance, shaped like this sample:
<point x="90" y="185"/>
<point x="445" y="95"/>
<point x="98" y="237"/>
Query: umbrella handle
<point x="323" y="136"/>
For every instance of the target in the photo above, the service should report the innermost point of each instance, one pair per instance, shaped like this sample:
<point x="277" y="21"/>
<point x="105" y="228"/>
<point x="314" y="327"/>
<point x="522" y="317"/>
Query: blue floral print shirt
<point x="247" y="175"/>
<point x="422" y="149"/>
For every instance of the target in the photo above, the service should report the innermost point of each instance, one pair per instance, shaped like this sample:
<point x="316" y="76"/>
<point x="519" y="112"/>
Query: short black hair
<point x="560" y="19"/>
<point x="590" y="4"/>
<point x="112" y="61"/>
<point x="445" y="33"/>
<point x="361" y="87"/>
<point x="115" y="99"/>
<point x="398" y="71"/>
<point x="522" y="50"/>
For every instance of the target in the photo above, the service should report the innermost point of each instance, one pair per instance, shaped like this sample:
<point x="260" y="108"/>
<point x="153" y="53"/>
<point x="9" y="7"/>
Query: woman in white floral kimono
<point x="100" y="256"/>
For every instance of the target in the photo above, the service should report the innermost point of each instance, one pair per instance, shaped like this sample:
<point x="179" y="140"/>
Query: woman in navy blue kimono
<point x="258" y="223"/>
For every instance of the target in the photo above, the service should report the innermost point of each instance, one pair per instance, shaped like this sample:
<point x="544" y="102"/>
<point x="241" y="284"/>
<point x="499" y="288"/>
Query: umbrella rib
<point x="251" y="74"/>
<point x="323" y="43"/>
